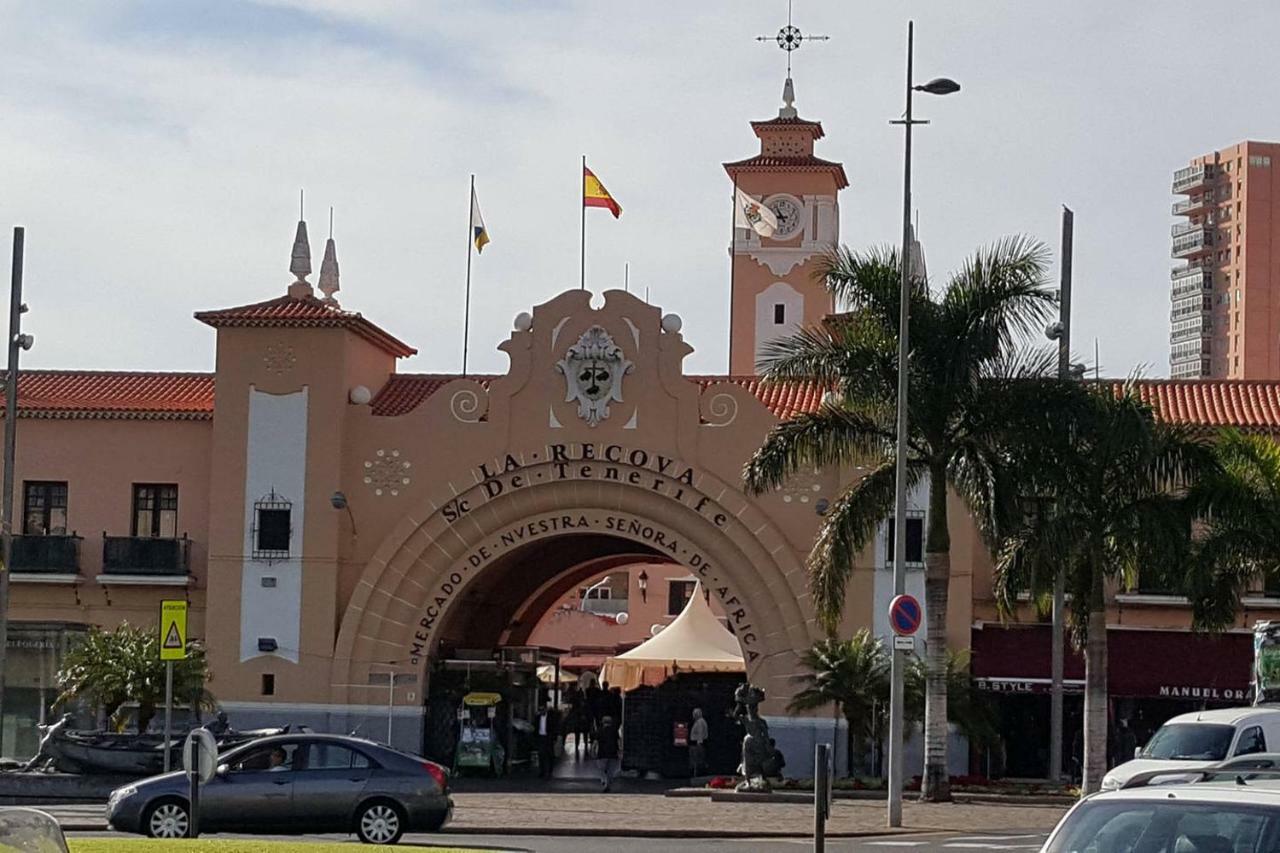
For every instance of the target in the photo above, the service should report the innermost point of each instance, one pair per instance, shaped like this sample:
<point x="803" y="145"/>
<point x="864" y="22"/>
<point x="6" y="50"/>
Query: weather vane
<point x="789" y="38"/>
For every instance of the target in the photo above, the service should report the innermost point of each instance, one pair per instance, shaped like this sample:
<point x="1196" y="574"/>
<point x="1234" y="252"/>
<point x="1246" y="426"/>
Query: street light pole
<point x="937" y="86"/>
<point x="17" y="343"/>
<point x="1059" y="577"/>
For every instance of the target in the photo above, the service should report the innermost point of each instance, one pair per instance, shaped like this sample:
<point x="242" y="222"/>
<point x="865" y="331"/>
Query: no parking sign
<point x="905" y="613"/>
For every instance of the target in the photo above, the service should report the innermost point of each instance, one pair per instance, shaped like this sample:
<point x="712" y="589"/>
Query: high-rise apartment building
<point x="1225" y="313"/>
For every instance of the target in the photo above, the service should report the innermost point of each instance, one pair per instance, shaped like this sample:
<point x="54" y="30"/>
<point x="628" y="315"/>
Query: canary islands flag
<point x="478" y="231"/>
<point x="595" y="195"/>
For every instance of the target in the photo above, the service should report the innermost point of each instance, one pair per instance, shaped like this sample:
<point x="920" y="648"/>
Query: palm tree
<point x="853" y="675"/>
<point x="111" y="668"/>
<point x="969" y="709"/>
<point x="963" y="370"/>
<point x="1111" y="486"/>
<point x="1239" y="508"/>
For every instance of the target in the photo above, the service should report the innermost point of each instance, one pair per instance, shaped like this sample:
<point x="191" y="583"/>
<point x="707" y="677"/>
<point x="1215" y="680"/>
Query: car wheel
<point x="169" y="819"/>
<point x="380" y="822"/>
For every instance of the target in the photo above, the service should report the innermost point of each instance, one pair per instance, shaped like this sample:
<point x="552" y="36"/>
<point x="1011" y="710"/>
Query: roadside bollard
<point x="821" y="796"/>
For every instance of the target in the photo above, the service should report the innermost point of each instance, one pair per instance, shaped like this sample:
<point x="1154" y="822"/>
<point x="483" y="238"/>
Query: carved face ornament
<point x="593" y="369"/>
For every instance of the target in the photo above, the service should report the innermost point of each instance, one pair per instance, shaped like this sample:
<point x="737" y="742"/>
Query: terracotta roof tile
<point x="1245" y="403"/>
<point x="107" y="395"/>
<point x="304" y="312"/>
<point x="404" y="392"/>
<point x="796" y="123"/>
<point x="805" y="163"/>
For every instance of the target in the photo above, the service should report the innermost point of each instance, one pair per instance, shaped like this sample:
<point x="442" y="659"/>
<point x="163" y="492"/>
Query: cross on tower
<point x="790" y="38"/>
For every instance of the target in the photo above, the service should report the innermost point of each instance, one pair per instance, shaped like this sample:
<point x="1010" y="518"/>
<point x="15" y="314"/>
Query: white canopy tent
<point x="694" y="642"/>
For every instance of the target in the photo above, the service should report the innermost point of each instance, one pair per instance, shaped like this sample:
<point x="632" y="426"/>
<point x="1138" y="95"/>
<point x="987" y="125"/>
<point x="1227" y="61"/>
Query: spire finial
<point x="788" y="109"/>
<point x="300" y="263"/>
<point x="329" y="267"/>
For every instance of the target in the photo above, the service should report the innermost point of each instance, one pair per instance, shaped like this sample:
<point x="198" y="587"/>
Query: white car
<point x="1198" y="740"/>
<point x="1223" y="815"/>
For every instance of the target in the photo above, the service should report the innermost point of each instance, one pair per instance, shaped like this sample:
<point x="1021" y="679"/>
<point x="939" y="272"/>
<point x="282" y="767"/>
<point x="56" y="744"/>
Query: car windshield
<point x="1190" y="741"/>
<point x="1167" y="826"/>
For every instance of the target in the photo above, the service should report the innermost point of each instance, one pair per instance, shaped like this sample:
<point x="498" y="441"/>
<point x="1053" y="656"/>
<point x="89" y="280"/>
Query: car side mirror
<point x="223" y="769"/>
<point x="1137" y="752"/>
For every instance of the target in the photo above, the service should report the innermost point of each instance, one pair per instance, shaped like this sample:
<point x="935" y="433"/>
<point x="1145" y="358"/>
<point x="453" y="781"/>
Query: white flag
<point x="749" y="213"/>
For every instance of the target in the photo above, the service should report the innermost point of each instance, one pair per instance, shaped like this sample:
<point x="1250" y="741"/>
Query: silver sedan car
<point x="290" y="784"/>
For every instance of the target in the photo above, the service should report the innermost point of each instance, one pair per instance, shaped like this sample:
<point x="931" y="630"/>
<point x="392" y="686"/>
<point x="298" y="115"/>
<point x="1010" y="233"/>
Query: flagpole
<point x="466" y="317"/>
<point x="582" y="188"/>
<point x="733" y="261"/>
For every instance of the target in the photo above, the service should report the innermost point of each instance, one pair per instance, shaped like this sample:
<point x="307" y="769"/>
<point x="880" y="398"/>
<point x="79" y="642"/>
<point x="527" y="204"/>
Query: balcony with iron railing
<point x="46" y="555"/>
<point x="1196" y="242"/>
<point x="146" y="556"/>
<point x="1190" y="177"/>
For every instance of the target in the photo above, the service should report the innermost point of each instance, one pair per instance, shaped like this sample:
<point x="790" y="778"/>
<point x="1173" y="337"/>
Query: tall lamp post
<point x="17" y="343"/>
<point x="937" y="86"/>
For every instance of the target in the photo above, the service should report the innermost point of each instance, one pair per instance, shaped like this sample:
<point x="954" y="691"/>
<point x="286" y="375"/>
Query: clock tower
<point x="774" y="291"/>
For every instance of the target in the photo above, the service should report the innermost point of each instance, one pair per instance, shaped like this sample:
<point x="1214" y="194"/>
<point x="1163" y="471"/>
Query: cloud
<point x="154" y="151"/>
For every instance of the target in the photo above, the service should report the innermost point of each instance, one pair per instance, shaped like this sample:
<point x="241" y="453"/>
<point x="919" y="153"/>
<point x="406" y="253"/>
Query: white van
<point x="1197" y="740"/>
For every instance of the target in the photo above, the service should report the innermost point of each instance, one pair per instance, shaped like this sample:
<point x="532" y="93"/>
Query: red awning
<point x="1147" y="664"/>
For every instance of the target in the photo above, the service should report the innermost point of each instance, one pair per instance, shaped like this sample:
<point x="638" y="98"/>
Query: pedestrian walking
<point x="595" y="708"/>
<point x="607" y="751"/>
<point x="548" y="730"/>
<point x="698" y="744"/>
<point x="578" y="720"/>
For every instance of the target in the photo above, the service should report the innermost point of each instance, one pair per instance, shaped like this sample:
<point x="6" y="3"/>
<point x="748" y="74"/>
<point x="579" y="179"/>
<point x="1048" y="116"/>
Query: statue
<point x="46" y="756"/>
<point x="218" y="727"/>
<point x="755" y="745"/>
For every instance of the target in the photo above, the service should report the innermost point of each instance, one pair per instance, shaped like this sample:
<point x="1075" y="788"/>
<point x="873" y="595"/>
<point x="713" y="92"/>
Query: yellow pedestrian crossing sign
<point x="173" y="630"/>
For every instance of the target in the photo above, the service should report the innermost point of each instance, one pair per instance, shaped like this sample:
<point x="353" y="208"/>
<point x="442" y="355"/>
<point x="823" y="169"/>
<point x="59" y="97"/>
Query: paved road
<point x="933" y="843"/>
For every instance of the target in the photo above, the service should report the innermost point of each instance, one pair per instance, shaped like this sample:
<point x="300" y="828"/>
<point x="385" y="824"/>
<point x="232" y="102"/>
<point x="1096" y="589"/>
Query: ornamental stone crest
<point x="593" y="369"/>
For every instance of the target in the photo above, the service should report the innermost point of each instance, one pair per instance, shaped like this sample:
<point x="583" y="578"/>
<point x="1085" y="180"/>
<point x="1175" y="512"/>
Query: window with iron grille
<point x="155" y="510"/>
<point x="273" y="527"/>
<point x="44" y="508"/>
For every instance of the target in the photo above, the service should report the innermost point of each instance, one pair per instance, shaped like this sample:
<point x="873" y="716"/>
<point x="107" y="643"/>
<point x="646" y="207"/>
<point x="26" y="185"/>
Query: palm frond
<point x="831" y="436"/>
<point x="849" y="525"/>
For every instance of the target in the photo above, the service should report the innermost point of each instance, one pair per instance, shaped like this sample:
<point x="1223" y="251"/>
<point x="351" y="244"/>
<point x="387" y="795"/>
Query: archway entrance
<point x="468" y="574"/>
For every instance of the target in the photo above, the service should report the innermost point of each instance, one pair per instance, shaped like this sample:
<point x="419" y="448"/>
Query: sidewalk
<point x="655" y="815"/>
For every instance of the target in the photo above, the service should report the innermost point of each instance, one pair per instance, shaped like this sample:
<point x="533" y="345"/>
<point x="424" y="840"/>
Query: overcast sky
<point x="154" y="150"/>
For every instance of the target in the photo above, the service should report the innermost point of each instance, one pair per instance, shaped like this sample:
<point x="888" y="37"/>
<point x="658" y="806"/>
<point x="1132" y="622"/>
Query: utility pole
<point x="898" y="665"/>
<point x="17" y="343"/>
<point x="1059" y="577"/>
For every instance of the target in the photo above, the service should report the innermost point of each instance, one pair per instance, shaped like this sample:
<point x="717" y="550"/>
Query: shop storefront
<point x="35" y="652"/>
<point x="1152" y="676"/>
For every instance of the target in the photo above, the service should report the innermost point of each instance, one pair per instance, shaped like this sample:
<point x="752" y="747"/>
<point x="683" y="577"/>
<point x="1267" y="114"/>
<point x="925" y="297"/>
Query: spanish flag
<point x="595" y="195"/>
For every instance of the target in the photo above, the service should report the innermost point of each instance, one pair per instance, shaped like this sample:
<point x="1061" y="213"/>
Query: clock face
<point x="788" y="213"/>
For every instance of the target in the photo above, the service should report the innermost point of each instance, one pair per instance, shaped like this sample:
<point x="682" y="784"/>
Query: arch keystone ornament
<point x="593" y="370"/>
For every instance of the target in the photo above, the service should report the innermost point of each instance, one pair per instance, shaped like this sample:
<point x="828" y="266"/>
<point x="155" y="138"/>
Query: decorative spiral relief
<point x="720" y="410"/>
<point x="387" y="473"/>
<point x="467" y="406"/>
